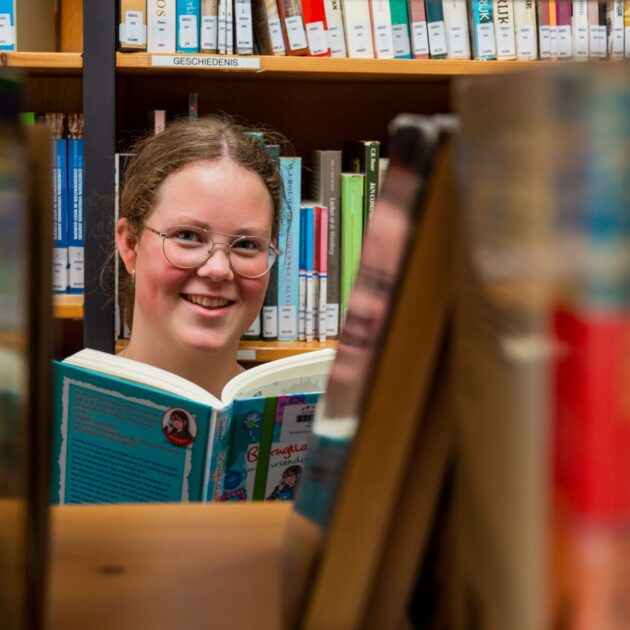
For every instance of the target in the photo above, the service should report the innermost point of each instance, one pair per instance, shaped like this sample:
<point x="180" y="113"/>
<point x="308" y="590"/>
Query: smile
<point x="207" y="302"/>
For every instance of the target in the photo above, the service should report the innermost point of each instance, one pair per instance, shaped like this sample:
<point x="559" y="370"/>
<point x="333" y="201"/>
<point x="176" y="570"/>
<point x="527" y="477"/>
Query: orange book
<point x="293" y="27"/>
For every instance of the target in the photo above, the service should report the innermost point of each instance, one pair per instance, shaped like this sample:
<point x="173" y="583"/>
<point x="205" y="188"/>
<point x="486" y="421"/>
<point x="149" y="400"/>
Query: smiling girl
<point x="200" y="211"/>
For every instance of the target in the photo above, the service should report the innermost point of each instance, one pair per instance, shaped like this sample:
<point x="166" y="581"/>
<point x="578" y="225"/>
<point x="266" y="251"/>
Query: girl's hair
<point x="179" y="415"/>
<point x="183" y="142"/>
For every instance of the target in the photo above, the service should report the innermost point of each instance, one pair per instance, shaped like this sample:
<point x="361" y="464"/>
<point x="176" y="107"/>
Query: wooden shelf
<point x="54" y="62"/>
<point x="68" y="306"/>
<point x="332" y="68"/>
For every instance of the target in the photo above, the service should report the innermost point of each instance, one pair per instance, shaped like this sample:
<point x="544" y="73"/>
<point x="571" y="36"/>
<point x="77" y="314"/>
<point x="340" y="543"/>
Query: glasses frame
<point x="211" y="251"/>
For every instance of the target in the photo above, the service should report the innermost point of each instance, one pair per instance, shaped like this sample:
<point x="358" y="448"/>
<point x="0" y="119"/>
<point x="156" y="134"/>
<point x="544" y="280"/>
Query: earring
<point x="133" y="277"/>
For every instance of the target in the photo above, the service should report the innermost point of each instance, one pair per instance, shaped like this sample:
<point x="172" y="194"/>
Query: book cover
<point x="362" y="156"/>
<point x="161" y="26"/>
<point x="293" y="27"/>
<point x="209" y="26"/>
<point x="382" y="29"/>
<point x="456" y="25"/>
<point x="418" y="27"/>
<point x="188" y="20"/>
<point x="132" y="30"/>
<point x="326" y="190"/>
<point x="289" y="244"/>
<point x="243" y="21"/>
<point x="334" y="22"/>
<point x="358" y="28"/>
<point x="352" y="187"/>
<point x="564" y="34"/>
<point x="525" y="26"/>
<point x="268" y="29"/>
<point x="482" y="28"/>
<point x="438" y="48"/>
<point x="400" y="29"/>
<point x="314" y="15"/>
<point x="129" y="432"/>
<point x="579" y="25"/>
<point x="615" y="29"/>
<point x="504" y="29"/>
<point x="75" y="204"/>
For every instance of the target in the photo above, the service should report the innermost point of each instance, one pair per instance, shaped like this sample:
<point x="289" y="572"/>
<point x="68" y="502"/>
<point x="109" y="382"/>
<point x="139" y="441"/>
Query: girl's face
<point x="208" y="308"/>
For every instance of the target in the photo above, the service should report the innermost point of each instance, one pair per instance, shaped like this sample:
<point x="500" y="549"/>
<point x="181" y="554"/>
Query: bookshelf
<point x="50" y="62"/>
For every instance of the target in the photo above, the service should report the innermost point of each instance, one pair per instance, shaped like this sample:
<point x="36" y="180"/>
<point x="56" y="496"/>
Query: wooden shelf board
<point x="39" y="61"/>
<point x="328" y="67"/>
<point x="68" y="306"/>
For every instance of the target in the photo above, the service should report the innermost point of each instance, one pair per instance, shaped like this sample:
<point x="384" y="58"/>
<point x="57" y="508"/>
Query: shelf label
<point x="617" y="41"/>
<point x="420" y="38"/>
<point x="564" y="44"/>
<point x="209" y="32"/>
<point x="545" y="42"/>
<point x="526" y="42"/>
<point x="437" y="38"/>
<point x="506" y="46"/>
<point x="188" y="31"/>
<point x="317" y="38"/>
<point x="275" y="33"/>
<point x="457" y="42"/>
<point x="598" y="41"/>
<point x="580" y="42"/>
<point x="134" y="28"/>
<point x="383" y="41"/>
<point x="287" y="322"/>
<point x="198" y="61"/>
<point x="337" y="40"/>
<point x="360" y="44"/>
<point x="295" y="32"/>
<point x="402" y="45"/>
<point x="486" y="43"/>
<point x="244" y="32"/>
<point x="6" y="30"/>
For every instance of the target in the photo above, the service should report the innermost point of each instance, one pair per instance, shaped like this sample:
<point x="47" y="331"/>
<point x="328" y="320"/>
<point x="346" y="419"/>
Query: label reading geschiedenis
<point x="199" y="61"/>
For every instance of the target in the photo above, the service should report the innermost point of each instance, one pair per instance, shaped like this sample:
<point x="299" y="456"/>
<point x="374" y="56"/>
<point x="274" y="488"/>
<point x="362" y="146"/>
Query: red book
<point x="418" y="27"/>
<point x="314" y="16"/>
<point x="293" y="27"/>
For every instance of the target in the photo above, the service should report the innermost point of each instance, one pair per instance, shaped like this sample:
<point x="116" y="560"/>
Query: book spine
<point x="316" y="28"/>
<point x="400" y="29"/>
<point x="209" y="32"/>
<point x="504" y="29"/>
<point x="132" y="30"/>
<point x="269" y="28"/>
<point x="188" y="19"/>
<point x="564" y="36"/>
<point x="351" y="232"/>
<point x="456" y="26"/>
<point x="553" y="29"/>
<point x="334" y="22"/>
<point x="243" y="20"/>
<point x="161" y="28"/>
<point x="75" y="197"/>
<point x="309" y="255"/>
<point x="382" y="33"/>
<point x="544" y="29"/>
<point x="357" y="28"/>
<point x="482" y="27"/>
<point x="418" y="27"/>
<point x="322" y="266"/>
<point x="60" y="209"/>
<point x="436" y="27"/>
<point x="293" y="26"/>
<point x="525" y="30"/>
<point x="626" y="24"/>
<point x="615" y="29"/>
<point x="270" y="304"/>
<point x="372" y="155"/>
<point x="229" y="27"/>
<point x="579" y="24"/>
<point x="596" y="30"/>
<point x="289" y="242"/>
<point x="302" y="278"/>
<point x="7" y="25"/>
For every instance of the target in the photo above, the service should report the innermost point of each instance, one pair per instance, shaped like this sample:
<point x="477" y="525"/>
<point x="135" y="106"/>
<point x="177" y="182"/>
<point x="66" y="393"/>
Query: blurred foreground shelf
<point x="68" y="306"/>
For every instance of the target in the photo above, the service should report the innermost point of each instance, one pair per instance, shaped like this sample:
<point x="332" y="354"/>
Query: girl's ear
<point x="127" y="245"/>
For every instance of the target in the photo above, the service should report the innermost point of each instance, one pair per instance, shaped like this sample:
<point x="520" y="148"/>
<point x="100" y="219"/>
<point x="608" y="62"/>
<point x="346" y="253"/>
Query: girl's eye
<point x="248" y="245"/>
<point x="188" y="236"/>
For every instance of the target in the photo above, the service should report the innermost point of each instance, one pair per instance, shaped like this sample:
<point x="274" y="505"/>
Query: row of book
<point x="68" y="180"/>
<point x="401" y="29"/>
<point x="321" y="233"/>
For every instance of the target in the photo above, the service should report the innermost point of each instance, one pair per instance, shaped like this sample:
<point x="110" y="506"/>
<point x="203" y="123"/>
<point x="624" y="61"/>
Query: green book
<point x="352" y="185"/>
<point x="362" y="156"/>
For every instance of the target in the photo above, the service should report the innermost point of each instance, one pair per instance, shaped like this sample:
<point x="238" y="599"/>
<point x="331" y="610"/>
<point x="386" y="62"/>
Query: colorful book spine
<point x="209" y="33"/>
<point x="400" y="29"/>
<point x="243" y="21"/>
<point x="268" y="28"/>
<point x="161" y="26"/>
<point x="314" y="16"/>
<point x="288" y="243"/>
<point x="626" y="24"/>
<point x="322" y="271"/>
<point x="132" y="30"/>
<point x="270" y="304"/>
<point x="188" y="13"/>
<point x="362" y="156"/>
<point x="302" y="278"/>
<point x="482" y="27"/>
<point x="436" y="29"/>
<point x="503" y="11"/>
<point x="382" y="29"/>
<point x="293" y="26"/>
<point x="357" y="28"/>
<point x="418" y="27"/>
<point x="525" y="30"/>
<point x="564" y="36"/>
<point x="615" y="29"/>
<point x="553" y="29"/>
<point x="75" y="204"/>
<point x="7" y="24"/>
<point x="579" y="25"/>
<point x="334" y="22"/>
<point x="597" y="41"/>
<point x="456" y="25"/>
<point x="308" y="215"/>
<point x="544" y="29"/>
<point x="351" y="232"/>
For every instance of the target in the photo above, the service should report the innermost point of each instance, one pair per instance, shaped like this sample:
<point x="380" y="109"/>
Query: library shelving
<point x="65" y="62"/>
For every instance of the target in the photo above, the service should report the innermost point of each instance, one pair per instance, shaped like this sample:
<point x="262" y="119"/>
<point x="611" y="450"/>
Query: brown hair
<point x="181" y="143"/>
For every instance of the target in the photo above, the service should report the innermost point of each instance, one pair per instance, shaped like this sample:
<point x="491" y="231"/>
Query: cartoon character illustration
<point x="285" y="489"/>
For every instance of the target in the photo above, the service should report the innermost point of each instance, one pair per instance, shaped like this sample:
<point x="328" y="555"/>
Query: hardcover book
<point x="334" y="22"/>
<point x="358" y="28"/>
<point x="418" y="27"/>
<point x="132" y="30"/>
<point x="268" y="29"/>
<point x="188" y="20"/>
<point x="482" y="28"/>
<point x="456" y="24"/>
<point x="579" y="24"/>
<point x="314" y="15"/>
<point x="362" y="156"/>
<point x="7" y="24"/>
<point x="436" y="29"/>
<point x="525" y="29"/>
<point x="352" y="190"/>
<point x="209" y="26"/>
<point x="293" y="27"/>
<point x="75" y="204"/>
<point x="400" y="29"/>
<point x="504" y="29"/>
<point x="129" y="432"/>
<point x="243" y="22"/>
<point x="161" y="26"/>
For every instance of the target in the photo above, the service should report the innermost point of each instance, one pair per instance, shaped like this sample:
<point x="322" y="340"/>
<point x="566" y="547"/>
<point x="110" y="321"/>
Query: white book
<point x="161" y="26"/>
<point x="579" y="23"/>
<point x="503" y="12"/>
<point x="358" y="28"/>
<point x="615" y="28"/>
<point x="209" y="26"/>
<point x="456" y="26"/>
<point x="229" y="27"/>
<point x="222" y="27"/>
<point x="382" y="29"/>
<point x="244" y="27"/>
<point x="525" y="30"/>
<point x="334" y="22"/>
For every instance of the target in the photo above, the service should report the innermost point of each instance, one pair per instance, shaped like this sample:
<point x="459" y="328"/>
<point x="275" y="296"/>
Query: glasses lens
<point x="251" y="256"/>
<point x="186" y="246"/>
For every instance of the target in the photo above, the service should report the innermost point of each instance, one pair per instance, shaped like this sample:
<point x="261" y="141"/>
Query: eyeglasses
<point x="190" y="247"/>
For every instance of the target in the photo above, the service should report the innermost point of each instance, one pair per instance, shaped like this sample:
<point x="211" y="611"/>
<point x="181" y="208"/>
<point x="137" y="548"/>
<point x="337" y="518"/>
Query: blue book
<point x="482" y="27"/>
<point x="7" y="24"/>
<point x="310" y="298"/>
<point x="128" y="432"/>
<point x="188" y="26"/>
<point x="302" y="278"/>
<point x="288" y="243"/>
<point x="75" y="208"/>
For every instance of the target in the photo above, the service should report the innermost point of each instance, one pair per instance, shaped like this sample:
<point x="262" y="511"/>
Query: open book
<point x="129" y="432"/>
